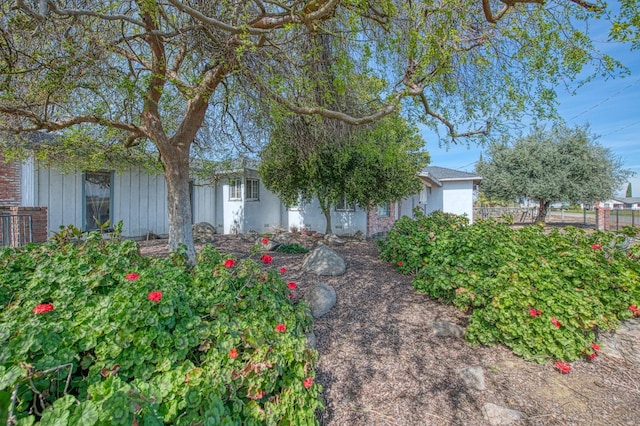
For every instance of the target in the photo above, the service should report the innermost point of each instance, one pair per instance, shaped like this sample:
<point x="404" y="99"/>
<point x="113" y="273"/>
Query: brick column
<point x="10" y="174"/>
<point x="603" y="218"/>
<point x="39" y="224"/>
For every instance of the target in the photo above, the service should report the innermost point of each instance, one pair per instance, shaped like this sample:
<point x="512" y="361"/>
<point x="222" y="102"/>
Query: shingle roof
<point x="444" y="174"/>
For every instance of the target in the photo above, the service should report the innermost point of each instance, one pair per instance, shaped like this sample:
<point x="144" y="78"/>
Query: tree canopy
<point x="366" y="166"/>
<point x="184" y="76"/>
<point x="558" y="164"/>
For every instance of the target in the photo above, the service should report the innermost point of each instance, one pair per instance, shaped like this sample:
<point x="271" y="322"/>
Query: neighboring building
<point x="234" y="202"/>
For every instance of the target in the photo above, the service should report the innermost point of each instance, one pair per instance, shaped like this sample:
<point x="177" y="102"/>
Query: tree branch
<point x="77" y="12"/>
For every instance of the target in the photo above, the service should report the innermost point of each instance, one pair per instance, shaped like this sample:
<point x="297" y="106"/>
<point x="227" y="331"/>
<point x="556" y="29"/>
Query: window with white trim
<point x="235" y="189"/>
<point x="383" y="210"/>
<point x="343" y="206"/>
<point x="252" y="190"/>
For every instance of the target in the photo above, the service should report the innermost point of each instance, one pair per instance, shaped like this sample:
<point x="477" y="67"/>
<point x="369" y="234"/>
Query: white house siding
<point x="62" y="194"/>
<point x="140" y="201"/>
<point x="262" y="215"/>
<point x="433" y="199"/>
<point x="310" y="216"/>
<point x="28" y="183"/>
<point x="204" y="203"/>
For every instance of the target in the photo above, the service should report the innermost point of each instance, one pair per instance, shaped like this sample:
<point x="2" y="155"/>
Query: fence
<point x="614" y="219"/>
<point x="16" y="230"/>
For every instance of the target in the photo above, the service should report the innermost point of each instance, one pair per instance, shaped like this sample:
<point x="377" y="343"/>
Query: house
<point x="234" y="201"/>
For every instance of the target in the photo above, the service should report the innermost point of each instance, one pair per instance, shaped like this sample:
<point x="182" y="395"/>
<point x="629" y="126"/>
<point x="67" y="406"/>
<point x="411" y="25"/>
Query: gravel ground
<point x="380" y="363"/>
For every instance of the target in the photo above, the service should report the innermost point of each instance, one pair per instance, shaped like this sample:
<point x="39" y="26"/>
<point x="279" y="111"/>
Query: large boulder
<point x="624" y="343"/>
<point x="203" y="232"/>
<point x="324" y="261"/>
<point x="321" y="298"/>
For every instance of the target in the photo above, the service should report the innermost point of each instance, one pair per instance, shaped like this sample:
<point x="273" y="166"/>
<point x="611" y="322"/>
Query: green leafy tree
<point x="560" y="164"/>
<point x="368" y="166"/>
<point x="183" y="76"/>
<point x="629" y="193"/>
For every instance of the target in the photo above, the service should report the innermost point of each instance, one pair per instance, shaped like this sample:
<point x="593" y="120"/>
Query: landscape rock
<point x="321" y="298"/>
<point x="333" y="239"/>
<point x="324" y="261"/>
<point x="447" y="329"/>
<point x="203" y="232"/>
<point x="623" y="343"/>
<point x="271" y="245"/>
<point x="473" y="377"/>
<point x="311" y="340"/>
<point x="497" y="415"/>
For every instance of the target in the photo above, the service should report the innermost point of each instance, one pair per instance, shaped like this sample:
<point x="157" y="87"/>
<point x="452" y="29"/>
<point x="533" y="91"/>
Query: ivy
<point x="149" y="340"/>
<point x="544" y="293"/>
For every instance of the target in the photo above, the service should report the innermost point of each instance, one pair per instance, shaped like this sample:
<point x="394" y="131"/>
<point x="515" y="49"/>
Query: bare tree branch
<point x="77" y="12"/>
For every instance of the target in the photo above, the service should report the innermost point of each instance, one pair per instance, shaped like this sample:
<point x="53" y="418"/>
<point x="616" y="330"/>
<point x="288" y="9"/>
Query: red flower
<point x="634" y="309"/>
<point x="42" y="308"/>
<point x="266" y="259"/>
<point x="233" y="353"/>
<point x="229" y="263"/>
<point x="155" y="296"/>
<point x="281" y="328"/>
<point x="265" y="240"/>
<point x="592" y="356"/>
<point x="292" y="285"/>
<point x="596" y="246"/>
<point x="307" y="382"/>
<point x="534" y="312"/>
<point x="595" y="346"/>
<point x="132" y="276"/>
<point x="400" y="263"/>
<point x="283" y="270"/>
<point x="563" y="366"/>
<point x="556" y="322"/>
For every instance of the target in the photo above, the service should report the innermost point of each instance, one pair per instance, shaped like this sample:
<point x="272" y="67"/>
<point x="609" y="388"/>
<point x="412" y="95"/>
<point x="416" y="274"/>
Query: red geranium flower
<point x="592" y="356"/>
<point x="281" y="328"/>
<point x="229" y="263"/>
<point x="265" y="240"/>
<point x="283" y="270"/>
<point x="292" y="285"/>
<point x="556" y="322"/>
<point x="634" y="309"/>
<point x="132" y="276"/>
<point x="307" y="382"/>
<point x="595" y="346"/>
<point x="596" y="246"/>
<point x="233" y="353"/>
<point x="42" y="308"/>
<point x="400" y="263"/>
<point x="563" y="366"/>
<point x="266" y="259"/>
<point x="155" y="296"/>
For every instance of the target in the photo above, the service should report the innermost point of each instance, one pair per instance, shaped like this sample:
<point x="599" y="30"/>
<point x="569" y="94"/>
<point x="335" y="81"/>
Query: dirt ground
<point x="380" y="363"/>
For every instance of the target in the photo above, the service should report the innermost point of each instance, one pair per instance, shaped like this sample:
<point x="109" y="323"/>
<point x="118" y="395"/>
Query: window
<point x="383" y="210"/>
<point x="343" y="206"/>
<point x="97" y="199"/>
<point x="235" y="189"/>
<point x="252" y="190"/>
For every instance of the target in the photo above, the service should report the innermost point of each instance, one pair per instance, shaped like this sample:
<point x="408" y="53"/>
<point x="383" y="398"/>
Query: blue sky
<point x="611" y="107"/>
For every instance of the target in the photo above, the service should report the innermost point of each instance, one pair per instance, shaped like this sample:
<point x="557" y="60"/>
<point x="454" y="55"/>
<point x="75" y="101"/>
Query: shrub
<point x="292" y="248"/>
<point x="544" y="294"/>
<point x="95" y="333"/>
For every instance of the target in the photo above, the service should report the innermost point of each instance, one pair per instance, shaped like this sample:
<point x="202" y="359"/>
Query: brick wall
<point x="603" y="218"/>
<point x="15" y="225"/>
<point x="377" y="225"/>
<point x="9" y="182"/>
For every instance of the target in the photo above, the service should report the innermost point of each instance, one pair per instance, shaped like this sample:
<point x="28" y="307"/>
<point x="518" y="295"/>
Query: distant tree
<point x="367" y="166"/>
<point x="629" y="193"/>
<point x="561" y="164"/>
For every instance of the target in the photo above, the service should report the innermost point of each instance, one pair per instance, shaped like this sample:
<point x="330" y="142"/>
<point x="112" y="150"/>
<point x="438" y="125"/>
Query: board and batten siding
<point x="62" y="194"/>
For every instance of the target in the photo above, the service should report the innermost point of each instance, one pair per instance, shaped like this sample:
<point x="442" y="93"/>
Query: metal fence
<point x="15" y="230"/>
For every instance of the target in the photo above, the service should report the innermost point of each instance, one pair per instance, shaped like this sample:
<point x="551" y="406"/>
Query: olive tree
<point x="559" y="164"/>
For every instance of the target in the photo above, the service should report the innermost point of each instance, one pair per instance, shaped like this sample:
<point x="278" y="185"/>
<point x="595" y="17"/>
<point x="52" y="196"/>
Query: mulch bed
<point x="380" y="363"/>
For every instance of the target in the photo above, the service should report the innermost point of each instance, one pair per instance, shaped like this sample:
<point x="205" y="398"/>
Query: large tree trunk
<point x="175" y="160"/>
<point x="542" y="210"/>
<point x="326" y="210"/>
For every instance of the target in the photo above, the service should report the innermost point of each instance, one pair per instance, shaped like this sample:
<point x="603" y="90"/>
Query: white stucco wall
<point x="458" y="198"/>
<point x="311" y="217"/>
<point x="434" y="198"/>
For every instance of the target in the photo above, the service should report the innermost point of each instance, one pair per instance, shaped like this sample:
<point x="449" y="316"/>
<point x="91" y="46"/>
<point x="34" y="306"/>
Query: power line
<point x="605" y="100"/>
